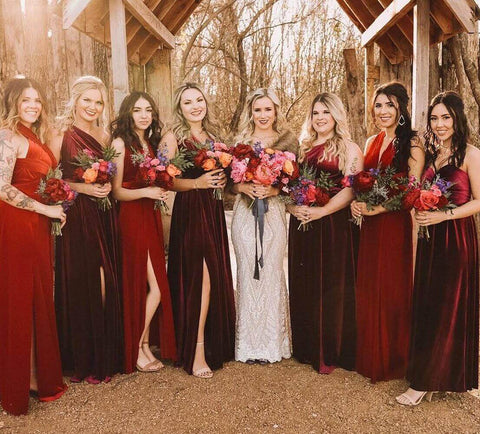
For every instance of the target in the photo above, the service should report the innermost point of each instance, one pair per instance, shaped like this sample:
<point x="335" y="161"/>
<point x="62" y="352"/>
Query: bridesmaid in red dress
<point x="87" y="291"/>
<point x="444" y="347"/>
<point x="199" y="263"/>
<point x="147" y="306"/>
<point x="29" y="355"/>
<point x="385" y="258"/>
<point x="322" y="260"/>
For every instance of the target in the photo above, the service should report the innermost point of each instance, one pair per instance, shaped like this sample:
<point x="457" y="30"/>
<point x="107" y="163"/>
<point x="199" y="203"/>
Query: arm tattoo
<point x="353" y="168"/>
<point x="7" y="158"/>
<point x="12" y="193"/>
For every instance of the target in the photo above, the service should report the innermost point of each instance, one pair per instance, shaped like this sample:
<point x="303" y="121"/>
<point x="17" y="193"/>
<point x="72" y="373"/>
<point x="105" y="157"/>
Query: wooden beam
<point x="150" y="4"/>
<point x="72" y="10"/>
<point x="405" y="24"/>
<point x="370" y="77"/>
<point x="160" y="10"/>
<point x="119" y="52"/>
<point x="388" y="18"/>
<point x="463" y="12"/>
<point x="421" y="62"/>
<point x="146" y="17"/>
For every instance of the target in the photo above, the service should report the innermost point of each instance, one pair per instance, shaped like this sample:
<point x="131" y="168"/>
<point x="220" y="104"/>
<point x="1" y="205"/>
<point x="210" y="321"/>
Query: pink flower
<point x="96" y="166"/>
<point x="155" y="162"/>
<point x="264" y="175"/>
<point x="435" y="190"/>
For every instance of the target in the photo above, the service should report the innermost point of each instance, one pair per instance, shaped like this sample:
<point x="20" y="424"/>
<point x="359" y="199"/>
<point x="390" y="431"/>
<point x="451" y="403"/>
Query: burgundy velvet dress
<point x="322" y="269"/>
<point x="141" y="233"/>
<point x="384" y="285"/>
<point x="199" y="234"/>
<point x="26" y="289"/>
<point x="90" y="329"/>
<point x="444" y="346"/>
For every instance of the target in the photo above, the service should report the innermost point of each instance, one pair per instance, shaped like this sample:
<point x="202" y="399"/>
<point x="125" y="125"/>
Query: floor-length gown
<point x="26" y="289"/>
<point x="198" y="235"/>
<point x="263" y="317"/>
<point x="322" y="270"/>
<point x="444" y="345"/>
<point x="141" y="234"/>
<point x="384" y="285"/>
<point x="89" y="322"/>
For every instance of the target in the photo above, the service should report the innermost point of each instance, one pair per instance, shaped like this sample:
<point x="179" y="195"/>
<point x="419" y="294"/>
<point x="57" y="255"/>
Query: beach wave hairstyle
<point x="9" y="110"/>
<point x="337" y="145"/>
<point x="81" y="85"/>
<point x="124" y="126"/>
<point x="247" y="125"/>
<point x="179" y="126"/>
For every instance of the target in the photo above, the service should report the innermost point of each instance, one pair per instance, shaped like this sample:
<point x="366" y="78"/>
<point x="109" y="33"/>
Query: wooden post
<point x="421" y="61"/>
<point x="370" y="76"/>
<point x="119" y="52"/>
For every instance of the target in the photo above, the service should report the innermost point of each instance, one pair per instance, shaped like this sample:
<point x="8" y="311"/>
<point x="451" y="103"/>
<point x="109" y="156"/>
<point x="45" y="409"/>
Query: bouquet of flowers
<point x="159" y="171"/>
<point x="310" y="189"/>
<point x="377" y="187"/>
<point x="428" y="196"/>
<point x="56" y="191"/>
<point x="94" y="170"/>
<point x="210" y="156"/>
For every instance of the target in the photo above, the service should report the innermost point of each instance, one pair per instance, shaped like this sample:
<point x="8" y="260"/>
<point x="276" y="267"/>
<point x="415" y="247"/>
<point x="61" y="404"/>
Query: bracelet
<point x="195" y="185"/>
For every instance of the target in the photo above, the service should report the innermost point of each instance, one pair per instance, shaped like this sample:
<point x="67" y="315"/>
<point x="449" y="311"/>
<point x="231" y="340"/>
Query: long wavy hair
<point x="461" y="135"/>
<point x="403" y="132"/>
<point x="179" y="126"/>
<point x="247" y="125"/>
<point x="81" y="85"/>
<point x="124" y="126"/>
<point x="337" y="145"/>
<point x="11" y="99"/>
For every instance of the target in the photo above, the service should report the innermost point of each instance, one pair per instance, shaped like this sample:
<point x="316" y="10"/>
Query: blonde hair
<point x="247" y="126"/>
<point x="337" y="145"/>
<point x="9" y="110"/>
<point x="179" y="126"/>
<point x="81" y="85"/>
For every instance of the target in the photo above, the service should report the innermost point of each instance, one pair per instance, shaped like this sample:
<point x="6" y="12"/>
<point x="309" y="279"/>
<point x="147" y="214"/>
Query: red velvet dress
<point x="384" y="285"/>
<point x="444" y="348"/>
<point x="141" y="233"/>
<point x="90" y="329"/>
<point x="26" y="289"/>
<point x="322" y="269"/>
<point x="199" y="233"/>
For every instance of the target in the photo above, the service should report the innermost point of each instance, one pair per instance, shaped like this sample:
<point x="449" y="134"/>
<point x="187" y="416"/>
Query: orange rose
<point x="173" y="170"/>
<point x="225" y="159"/>
<point x="90" y="176"/>
<point x="288" y="167"/>
<point x="270" y="151"/>
<point x="209" y="164"/>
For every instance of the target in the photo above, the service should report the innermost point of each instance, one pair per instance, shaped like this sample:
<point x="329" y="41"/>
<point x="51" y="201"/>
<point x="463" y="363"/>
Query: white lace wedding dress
<point x="263" y="316"/>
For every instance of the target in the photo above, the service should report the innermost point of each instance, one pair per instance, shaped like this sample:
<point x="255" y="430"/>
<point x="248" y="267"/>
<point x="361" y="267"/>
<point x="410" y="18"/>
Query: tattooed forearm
<point x="6" y="148"/>
<point x="6" y="173"/>
<point x="353" y="168"/>
<point x="16" y="197"/>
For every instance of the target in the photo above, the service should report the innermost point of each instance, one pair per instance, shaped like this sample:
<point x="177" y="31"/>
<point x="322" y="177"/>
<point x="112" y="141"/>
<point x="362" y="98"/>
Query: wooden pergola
<point x="405" y="29"/>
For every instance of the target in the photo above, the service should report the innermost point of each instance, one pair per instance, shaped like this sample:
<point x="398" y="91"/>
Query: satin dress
<point x="384" y="285"/>
<point x="141" y="234"/>
<point x="198" y="235"/>
<point x="321" y="275"/>
<point x="26" y="289"/>
<point x="89" y="323"/>
<point x="444" y="347"/>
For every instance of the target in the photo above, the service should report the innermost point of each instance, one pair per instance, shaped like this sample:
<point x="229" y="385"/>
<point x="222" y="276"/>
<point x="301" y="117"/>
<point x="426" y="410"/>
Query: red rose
<point x="410" y="199"/>
<point x="426" y="201"/>
<point x="296" y="170"/>
<point x="253" y="164"/>
<point x="164" y="180"/>
<point x="103" y="167"/>
<point x="363" y="181"/>
<point x="322" y="197"/>
<point x="442" y="202"/>
<point x="55" y="190"/>
<point x="311" y="194"/>
<point x="78" y="174"/>
<point x="200" y="157"/>
<point x="242" y="151"/>
<point x="102" y="177"/>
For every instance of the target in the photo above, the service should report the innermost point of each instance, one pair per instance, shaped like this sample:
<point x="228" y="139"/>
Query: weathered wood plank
<point x="464" y="13"/>
<point x="370" y="77"/>
<point x="72" y="10"/>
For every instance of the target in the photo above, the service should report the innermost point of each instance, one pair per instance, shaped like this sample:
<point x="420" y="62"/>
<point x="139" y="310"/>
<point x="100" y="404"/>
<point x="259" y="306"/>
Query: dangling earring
<point x="401" y="121"/>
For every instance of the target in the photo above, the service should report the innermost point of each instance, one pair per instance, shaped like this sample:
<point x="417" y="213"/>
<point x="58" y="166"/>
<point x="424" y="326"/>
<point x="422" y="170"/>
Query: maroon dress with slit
<point x="322" y="269"/>
<point x="384" y="285"/>
<point x="89" y="323"/>
<point x="26" y="289"/>
<point x="141" y="234"/>
<point x="444" y="345"/>
<point x="199" y="234"/>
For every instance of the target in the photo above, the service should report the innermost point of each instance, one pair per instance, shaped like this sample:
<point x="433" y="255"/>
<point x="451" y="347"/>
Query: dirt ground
<point x="285" y="397"/>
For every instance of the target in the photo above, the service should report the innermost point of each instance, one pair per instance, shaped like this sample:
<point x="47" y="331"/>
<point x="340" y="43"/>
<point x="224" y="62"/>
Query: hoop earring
<point x="401" y="121"/>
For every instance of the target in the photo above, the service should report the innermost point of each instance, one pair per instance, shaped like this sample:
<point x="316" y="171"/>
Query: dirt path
<point x="285" y="397"/>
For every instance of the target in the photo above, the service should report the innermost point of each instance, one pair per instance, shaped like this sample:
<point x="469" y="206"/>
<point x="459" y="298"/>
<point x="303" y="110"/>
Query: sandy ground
<point x="285" y="397"/>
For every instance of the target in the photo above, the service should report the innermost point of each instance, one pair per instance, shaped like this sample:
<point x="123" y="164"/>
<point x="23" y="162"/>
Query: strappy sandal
<point x="203" y="372"/>
<point x="405" y="399"/>
<point x="156" y="360"/>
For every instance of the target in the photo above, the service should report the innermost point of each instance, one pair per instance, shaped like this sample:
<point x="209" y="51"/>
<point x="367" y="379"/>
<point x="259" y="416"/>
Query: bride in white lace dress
<point x="263" y="331"/>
